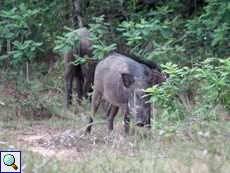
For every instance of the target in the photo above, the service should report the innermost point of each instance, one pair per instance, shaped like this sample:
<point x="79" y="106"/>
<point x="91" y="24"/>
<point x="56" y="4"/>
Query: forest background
<point x="190" y="40"/>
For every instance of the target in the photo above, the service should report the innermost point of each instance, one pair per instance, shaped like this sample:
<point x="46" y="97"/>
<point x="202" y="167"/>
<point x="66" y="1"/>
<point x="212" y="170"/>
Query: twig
<point x="216" y="103"/>
<point x="135" y="47"/>
<point x="210" y="126"/>
<point x="216" y="19"/>
<point x="164" y="157"/>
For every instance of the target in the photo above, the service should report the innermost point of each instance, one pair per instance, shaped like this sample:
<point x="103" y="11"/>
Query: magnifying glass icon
<point x="9" y="160"/>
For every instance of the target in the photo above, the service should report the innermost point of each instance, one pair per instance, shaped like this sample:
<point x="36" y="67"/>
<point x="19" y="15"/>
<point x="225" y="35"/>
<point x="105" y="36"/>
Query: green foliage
<point x="114" y="10"/>
<point x="180" y="34"/>
<point x="158" y="31"/>
<point x="71" y="40"/>
<point x="23" y="52"/>
<point x="99" y="31"/>
<point x="207" y="34"/>
<point x="15" y="22"/>
<point x="152" y="37"/>
<point x="194" y="93"/>
<point x="100" y="27"/>
<point x="29" y="100"/>
<point x="101" y="50"/>
<point x="15" y="25"/>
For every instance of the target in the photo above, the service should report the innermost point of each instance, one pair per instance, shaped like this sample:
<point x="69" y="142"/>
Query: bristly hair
<point x="149" y="64"/>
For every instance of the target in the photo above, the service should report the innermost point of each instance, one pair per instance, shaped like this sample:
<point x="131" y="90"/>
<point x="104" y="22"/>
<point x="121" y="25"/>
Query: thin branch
<point x="216" y="103"/>
<point x="217" y="131"/>
<point x="195" y="4"/>
<point x="111" y="29"/>
<point x="136" y="47"/>
<point x="188" y="110"/>
<point x="216" y="19"/>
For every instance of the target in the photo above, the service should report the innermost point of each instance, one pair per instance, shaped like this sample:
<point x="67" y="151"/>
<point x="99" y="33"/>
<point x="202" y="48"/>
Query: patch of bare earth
<point x="44" y="144"/>
<point x="39" y="144"/>
<point x="63" y="144"/>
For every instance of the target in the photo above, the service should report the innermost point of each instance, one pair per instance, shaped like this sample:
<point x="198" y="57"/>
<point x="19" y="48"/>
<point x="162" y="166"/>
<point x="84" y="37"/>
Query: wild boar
<point x="84" y="74"/>
<point x="118" y="81"/>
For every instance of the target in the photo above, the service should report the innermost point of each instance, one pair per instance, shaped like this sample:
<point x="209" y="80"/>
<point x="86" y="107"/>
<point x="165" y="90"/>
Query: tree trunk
<point x="195" y="5"/>
<point x="27" y="72"/>
<point x="72" y="14"/>
<point x="79" y="17"/>
<point x="8" y="45"/>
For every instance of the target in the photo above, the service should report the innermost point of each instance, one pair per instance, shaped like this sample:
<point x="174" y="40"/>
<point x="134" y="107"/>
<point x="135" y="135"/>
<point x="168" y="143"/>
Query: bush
<point x="194" y="94"/>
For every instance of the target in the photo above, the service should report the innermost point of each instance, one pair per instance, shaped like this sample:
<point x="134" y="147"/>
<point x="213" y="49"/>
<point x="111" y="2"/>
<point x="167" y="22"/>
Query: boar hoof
<point x="148" y="127"/>
<point x="88" y="128"/>
<point x="140" y="124"/>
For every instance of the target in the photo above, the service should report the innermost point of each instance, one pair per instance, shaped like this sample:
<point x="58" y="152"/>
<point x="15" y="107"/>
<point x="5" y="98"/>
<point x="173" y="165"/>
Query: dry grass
<point x="59" y="145"/>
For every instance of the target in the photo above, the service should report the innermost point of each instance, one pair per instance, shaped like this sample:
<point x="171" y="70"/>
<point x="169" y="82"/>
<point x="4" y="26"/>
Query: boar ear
<point x="127" y="79"/>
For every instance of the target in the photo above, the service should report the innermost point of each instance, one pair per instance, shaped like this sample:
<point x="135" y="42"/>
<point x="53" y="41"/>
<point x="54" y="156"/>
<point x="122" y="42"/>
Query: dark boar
<point x="119" y="80"/>
<point x="84" y="74"/>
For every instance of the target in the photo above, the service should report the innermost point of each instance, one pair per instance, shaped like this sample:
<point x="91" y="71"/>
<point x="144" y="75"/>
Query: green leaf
<point x="3" y="57"/>
<point x="30" y="55"/>
<point x="26" y="44"/>
<point x="17" y="54"/>
<point x="17" y="44"/>
<point x="58" y="47"/>
<point x="32" y="49"/>
<point x="37" y="44"/>
<point x="8" y="35"/>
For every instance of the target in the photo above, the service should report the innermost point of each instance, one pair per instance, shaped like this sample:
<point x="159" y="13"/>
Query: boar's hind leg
<point x="113" y="113"/>
<point x="88" y="73"/>
<point x="69" y="82"/>
<point x="88" y="128"/>
<point x="96" y="100"/>
<point x="86" y="87"/>
<point x="79" y="84"/>
<point x="106" y="109"/>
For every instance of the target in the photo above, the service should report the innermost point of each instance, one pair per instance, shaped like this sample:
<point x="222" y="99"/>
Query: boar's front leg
<point x="69" y="82"/>
<point x="147" y="121"/>
<point x="113" y="113"/>
<point x="125" y="114"/>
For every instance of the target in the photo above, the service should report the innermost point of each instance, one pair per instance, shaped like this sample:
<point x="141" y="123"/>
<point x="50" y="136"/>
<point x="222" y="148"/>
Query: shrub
<point x="194" y="94"/>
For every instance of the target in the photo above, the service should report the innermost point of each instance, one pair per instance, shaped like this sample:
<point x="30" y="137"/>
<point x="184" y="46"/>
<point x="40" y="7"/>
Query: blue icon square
<point x="10" y="161"/>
